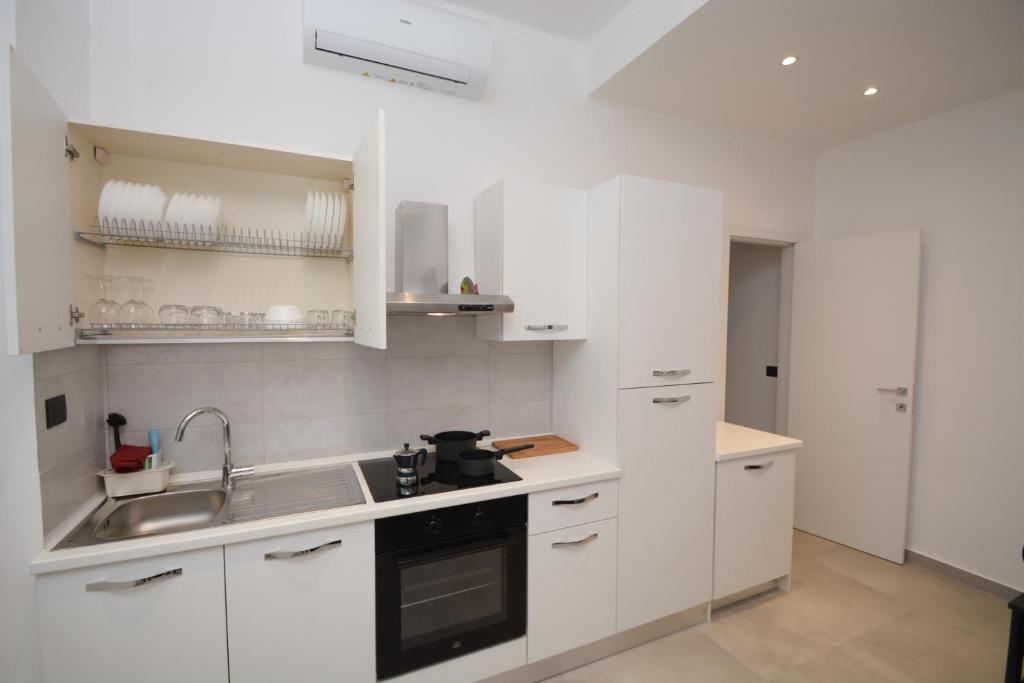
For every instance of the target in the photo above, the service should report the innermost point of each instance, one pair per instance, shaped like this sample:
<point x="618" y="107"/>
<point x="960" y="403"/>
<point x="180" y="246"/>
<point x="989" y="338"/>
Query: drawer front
<point x="571" y="588"/>
<point x="753" y="521"/>
<point x="573" y="505"/>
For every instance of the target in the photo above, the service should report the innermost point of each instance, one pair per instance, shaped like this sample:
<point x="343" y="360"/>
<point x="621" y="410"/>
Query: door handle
<point x="288" y="554"/>
<point x="586" y="539"/>
<point x="898" y="391"/>
<point x="670" y="399"/>
<point x="100" y="586"/>
<point x="670" y="373"/>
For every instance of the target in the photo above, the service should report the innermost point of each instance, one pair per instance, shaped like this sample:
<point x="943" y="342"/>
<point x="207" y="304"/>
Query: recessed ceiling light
<point x="871" y="91"/>
<point x="789" y="61"/>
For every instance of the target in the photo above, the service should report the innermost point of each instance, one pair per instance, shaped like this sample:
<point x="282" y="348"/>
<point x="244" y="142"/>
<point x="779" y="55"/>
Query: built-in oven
<point x="449" y="581"/>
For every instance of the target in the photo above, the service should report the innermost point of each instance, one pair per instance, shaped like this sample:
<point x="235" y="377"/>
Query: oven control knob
<point x="479" y="517"/>
<point x="433" y="526"/>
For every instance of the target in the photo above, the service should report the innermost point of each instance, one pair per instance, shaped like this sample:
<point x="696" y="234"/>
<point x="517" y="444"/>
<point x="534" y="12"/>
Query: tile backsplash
<point x="290" y="401"/>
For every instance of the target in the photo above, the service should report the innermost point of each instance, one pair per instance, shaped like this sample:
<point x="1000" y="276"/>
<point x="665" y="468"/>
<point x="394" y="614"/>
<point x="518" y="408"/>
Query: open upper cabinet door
<point x="369" y="243"/>
<point x="37" y="246"/>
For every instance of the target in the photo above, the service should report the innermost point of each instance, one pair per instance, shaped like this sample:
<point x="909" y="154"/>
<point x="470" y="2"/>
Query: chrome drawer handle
<point x="899" y="391"/>
<point x="561" y="544"/>
<point x="547" y="327"/>
<point x="671" y="399"/>
<point x="100" y="586"/>
<point x="762" y="466"/>
<point x="288" y="554"/>
<point x="670" y="373"/>
<point x="578" y="501"/>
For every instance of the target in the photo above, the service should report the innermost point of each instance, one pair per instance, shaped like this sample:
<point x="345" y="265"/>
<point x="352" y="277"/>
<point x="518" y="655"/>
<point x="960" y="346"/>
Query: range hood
<point x="421" y="268"/>
<point x="417" y="303"/>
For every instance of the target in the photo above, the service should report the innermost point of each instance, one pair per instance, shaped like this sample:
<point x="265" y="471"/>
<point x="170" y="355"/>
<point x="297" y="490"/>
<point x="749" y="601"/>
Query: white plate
<point x="318" y="212"/>
<point x="106" y="197"/>
<point x="307" y="222"/>
<point x="339" y="228"/>
<point x="329" y="216"/>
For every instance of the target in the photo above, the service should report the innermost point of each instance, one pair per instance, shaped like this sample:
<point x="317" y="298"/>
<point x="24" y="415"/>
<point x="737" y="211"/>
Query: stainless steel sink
<point x="162" y="513"/>
<point x="204" y="504"/>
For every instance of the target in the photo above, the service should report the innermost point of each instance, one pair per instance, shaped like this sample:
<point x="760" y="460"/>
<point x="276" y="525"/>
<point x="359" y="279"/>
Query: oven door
<point x="441" y="601"/>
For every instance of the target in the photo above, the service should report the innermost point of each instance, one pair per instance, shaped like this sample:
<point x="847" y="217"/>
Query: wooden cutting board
<point x="546" y="444"/>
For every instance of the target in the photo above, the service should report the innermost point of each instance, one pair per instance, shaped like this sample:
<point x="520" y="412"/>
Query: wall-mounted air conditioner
<point x="399" y="41"/>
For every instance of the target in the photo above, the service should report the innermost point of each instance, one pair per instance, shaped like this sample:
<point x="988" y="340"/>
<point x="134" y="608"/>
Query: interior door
<point x="853" y="354"/>
<point x="369" y="237"/>
<point x="38" y="241"/>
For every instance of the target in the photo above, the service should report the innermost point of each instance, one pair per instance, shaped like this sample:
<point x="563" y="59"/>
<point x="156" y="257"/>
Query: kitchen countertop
<point x="733" y="441"/>
<point x="538" y="474"/>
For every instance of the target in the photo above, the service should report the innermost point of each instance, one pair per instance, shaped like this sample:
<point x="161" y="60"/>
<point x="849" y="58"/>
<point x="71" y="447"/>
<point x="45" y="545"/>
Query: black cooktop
<point x="435" y="477"/>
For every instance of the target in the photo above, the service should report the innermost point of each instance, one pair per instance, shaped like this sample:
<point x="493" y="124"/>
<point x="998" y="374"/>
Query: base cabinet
<point x="571" y="588"/>
<point x="301" y="607"/>
<point x="753" y="521"/>
<point x="159" y="619"/>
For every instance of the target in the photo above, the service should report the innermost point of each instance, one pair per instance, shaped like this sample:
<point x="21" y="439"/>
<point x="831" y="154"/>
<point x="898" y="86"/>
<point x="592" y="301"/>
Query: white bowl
<point x="284" y="314"/>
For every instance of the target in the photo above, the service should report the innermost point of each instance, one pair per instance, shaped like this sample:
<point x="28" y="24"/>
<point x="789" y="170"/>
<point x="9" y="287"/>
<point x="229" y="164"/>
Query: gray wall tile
<point x="317" y="351"/>
<point x="63" y="361"/>
<point x="433" y="336"/>
<point x="151" y="354"/>
<point x="520" y="419"/>
<point x="436" y="382"/>
<point x="296" y="390"/>
<point x="406" y="427"/>
<point x="505" y="348"/>
<point x="520" y="378"/>
<point x="301" y="439"/>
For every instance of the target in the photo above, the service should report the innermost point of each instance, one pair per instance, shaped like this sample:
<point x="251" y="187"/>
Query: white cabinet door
<point x="753" y="521"/>
<point x="369" y="237"/>
<point x="670" y="251"/>
<point x="571" y="588"/>
<point x="37" y="246"/>
<point x="301" y="607"/>
<point x="158" y="619"/>
<point x="531" y="245"/>
<point x="666" y="500"/>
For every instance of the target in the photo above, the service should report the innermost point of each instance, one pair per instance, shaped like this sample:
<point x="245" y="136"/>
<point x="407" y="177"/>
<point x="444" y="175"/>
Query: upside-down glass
<point x="175" y="314"/>
<point x="105" y="311"/>
<point x="135" y="311"/>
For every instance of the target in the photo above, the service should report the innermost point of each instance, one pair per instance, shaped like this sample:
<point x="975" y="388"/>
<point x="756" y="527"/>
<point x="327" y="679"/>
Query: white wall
<point x="755" y="280"/>
<point x="959" y="176"/>
<point x="22" y="535"/>
<point x="233" y="69"/>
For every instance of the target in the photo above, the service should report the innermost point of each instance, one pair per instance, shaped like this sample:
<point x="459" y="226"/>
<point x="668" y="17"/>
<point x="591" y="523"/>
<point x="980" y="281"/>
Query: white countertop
<point x="538" y="474"/>
<point x="733" y="441"/>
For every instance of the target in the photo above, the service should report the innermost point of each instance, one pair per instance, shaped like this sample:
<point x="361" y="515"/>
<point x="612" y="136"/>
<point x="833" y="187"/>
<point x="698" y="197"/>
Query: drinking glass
<point x="207" y="315"/>
<point x="345" y="320"/>
<point x="105" y="311"/>
<point x="135" y="311"/>
<point x="318" y="317"/>
<point x="175" y="314"/>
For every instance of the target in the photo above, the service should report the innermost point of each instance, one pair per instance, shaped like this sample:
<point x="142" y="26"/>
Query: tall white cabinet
<point x="640" y="390"/>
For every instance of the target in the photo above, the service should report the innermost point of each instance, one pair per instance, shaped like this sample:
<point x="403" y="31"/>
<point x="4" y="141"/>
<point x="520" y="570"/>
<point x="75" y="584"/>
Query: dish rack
<point x="132" y="233"/>
<point x="218" y="327"/>
<point x="188" y="333"/>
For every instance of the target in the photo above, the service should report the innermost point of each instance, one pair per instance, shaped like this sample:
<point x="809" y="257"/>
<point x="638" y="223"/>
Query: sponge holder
<point x="120" y="484"/>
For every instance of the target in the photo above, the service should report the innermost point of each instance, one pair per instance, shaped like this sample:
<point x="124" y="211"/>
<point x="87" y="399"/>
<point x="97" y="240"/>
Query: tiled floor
<point x="850" y="617"/>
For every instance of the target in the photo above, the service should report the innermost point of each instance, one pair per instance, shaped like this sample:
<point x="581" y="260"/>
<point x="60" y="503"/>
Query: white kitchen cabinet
<point x="571" y="588"/>
<point x="573" y="505"/>
<point x="670" y="253"/>
<point x="157" y="619"/>
<point x="260" y="254"/>
<point x="753" y="521"/>
<point x="666" y="447"/>
<point x="531" y="245"/>
<point x="301" y="607"/>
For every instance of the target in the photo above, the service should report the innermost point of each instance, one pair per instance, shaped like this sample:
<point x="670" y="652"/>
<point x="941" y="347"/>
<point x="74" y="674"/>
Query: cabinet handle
<point x="100" y="586"/>
<point x="671" y="399"/>
<point x="547" y="327"/>
<point x="899" y="391"/>
<point x="584" y="499"/>
<point x="561" y="544"/>
<point x="288" y="554"/>
<point x="670" y="373"/>
<point x="762" y="466"/>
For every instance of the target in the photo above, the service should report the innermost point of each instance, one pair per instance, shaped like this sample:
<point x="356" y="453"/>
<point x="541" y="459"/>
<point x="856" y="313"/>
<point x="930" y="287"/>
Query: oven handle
<point x="413" y="559"/>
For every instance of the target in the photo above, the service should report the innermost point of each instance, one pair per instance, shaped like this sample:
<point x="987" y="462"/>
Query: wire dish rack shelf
<point x="215" y="238"/>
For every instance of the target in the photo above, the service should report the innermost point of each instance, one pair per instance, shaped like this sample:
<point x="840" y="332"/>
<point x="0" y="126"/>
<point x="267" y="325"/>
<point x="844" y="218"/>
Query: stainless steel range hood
<point x="415" y="303"/>
<point x="421" y="267"/>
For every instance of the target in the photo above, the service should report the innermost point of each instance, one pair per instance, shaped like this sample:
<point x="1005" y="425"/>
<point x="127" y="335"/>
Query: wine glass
<point x="105" y="311"/>
<point x="135" y="311"/>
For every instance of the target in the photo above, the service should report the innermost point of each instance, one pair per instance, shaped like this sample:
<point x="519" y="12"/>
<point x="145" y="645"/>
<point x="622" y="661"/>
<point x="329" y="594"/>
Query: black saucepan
<point x="479" y="462"/>
<point x="450" y="444"/>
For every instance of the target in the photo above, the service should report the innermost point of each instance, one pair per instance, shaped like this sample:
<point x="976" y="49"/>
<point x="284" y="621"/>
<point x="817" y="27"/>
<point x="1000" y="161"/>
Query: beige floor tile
<point x="808" y="545"/>
<point x="981" y="613"/>
<point x="684" y="656"/>
<point x="908" y="582"/>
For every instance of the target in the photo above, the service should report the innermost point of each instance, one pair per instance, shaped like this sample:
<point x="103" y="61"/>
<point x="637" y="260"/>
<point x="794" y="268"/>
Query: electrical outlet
<point x="56" y="411"/>
<point x="771" y="370"/>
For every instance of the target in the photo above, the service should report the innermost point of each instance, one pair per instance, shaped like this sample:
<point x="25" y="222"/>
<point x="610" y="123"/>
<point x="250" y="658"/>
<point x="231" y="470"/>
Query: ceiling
<point x="721" y="66"/>
<point x="574" y="20"/>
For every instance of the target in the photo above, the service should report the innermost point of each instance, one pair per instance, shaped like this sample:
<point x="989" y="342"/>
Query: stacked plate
<point x="189" y="214"/>
<point x="325" y="216"/>
<point x="130" y="209"/>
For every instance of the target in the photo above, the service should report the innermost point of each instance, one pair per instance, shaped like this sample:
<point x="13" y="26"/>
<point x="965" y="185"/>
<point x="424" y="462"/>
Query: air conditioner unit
<point x="399" y="41"/>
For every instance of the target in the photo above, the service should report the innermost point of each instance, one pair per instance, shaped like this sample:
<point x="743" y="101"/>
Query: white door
<point x="369" y="237"/>
<point x="37" y="246"/>
<point x="851" y="387"/>
<point x="666" y="449"/>
<point x="670" y="256"/>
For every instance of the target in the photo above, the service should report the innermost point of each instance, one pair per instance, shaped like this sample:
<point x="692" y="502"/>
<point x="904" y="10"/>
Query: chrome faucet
<point x="229" y="472"/>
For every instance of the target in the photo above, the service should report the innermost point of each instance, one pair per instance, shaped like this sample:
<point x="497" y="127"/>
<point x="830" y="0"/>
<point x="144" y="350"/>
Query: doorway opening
<point x="757" y="347"/>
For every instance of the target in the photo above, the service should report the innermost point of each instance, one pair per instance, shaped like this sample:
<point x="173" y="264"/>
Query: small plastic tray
<point x="135" y="483"/>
